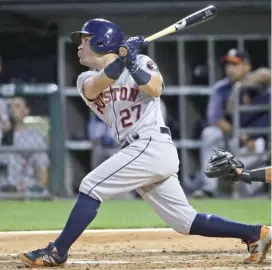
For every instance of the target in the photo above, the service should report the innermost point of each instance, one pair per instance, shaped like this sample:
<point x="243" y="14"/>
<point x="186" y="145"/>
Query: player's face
<point x="18" y="109"/>
<point x="86" y="56"/>
<point x="236" y="72"/>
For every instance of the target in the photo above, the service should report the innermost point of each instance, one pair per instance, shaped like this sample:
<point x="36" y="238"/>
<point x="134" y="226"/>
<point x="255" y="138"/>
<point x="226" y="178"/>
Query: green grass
<point x="51" y="215"/>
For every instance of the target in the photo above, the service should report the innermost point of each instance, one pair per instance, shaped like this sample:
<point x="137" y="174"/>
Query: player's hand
<point x="225" y="166"/>
<point x="6" y="124"/>
<point x="137" y="43"/>
<point x="134" y="46"/>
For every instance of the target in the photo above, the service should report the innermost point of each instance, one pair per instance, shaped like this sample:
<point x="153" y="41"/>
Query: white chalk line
<point x="89" y="231"/>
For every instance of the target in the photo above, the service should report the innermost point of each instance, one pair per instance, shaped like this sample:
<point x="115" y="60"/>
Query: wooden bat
<point x="198" y="17"/>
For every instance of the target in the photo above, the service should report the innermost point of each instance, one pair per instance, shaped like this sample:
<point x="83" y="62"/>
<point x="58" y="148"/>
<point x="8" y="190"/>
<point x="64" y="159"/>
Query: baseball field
<point x="128" y="235"/>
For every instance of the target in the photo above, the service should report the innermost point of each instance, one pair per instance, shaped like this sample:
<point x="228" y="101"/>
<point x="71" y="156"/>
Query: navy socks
<point x="82" y="214"/>
<point x="215" y="226"/>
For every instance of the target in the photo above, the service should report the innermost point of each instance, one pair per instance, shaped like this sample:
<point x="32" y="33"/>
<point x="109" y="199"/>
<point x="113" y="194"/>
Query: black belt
<point x="135" y="136"/>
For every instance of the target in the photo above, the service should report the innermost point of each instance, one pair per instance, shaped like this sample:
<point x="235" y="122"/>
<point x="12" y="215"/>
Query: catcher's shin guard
<point x="46" y="257"/>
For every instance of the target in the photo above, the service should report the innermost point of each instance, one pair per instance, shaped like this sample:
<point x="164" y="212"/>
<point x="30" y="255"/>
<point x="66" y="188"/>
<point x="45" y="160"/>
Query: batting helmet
<point x="106" y="35"/>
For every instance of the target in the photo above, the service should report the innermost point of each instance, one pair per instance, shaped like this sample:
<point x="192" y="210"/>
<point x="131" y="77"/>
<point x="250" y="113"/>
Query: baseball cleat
<point x="46" y="257"/>
<point x="259" y="249"/>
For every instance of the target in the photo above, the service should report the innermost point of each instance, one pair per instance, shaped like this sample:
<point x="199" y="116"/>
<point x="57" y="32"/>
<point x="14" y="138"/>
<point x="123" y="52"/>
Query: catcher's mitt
<point x="223" y="165"/>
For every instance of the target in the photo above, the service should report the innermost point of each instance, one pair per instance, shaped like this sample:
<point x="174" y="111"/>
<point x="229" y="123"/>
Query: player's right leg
<point x="170" y="203"/>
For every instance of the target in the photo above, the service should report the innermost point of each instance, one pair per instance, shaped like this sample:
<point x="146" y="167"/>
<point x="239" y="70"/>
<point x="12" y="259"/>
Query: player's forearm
<point x="6" y="125"/>
<point x="92" y="88"/>
<point x="154" y="87"/>
<point x="260" y="76"/>
<point x="224" y="125"/>
<point x="268" y="175"/>
<point x="43" y="176"/>
<point x="103" y="80"/>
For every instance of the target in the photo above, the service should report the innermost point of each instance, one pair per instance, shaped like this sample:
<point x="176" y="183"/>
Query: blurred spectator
<point x="5" y="124"/>
<point x="104" y="146"/>
<point x="218" y="133"/>
<point x="25" y="171"/>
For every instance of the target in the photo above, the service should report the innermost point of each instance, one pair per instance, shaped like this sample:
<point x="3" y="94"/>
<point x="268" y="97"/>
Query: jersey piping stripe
<point x="121" y="167"/>
<point x="115" y="115"/>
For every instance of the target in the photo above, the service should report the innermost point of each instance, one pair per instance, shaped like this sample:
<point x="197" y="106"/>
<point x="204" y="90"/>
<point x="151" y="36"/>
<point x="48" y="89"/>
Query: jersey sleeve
<point x="148" y="65"/>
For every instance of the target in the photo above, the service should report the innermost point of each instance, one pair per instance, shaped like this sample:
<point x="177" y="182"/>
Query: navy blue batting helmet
<point x="106" y="35"/>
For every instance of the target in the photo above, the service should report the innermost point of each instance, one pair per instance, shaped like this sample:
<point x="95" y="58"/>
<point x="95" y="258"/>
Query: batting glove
<point x="134" y="46"/>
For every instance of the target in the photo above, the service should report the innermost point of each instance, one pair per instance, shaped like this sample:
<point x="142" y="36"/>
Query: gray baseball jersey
<point x="148" y="164"/>
<point x="123" y="106"/>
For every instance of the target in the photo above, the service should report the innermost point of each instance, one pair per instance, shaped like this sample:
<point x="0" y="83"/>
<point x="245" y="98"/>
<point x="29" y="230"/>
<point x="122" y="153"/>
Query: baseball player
<point x="125" y="93"/>
<point x="219" y="130"/>
<point x="224" y="165"/>
<point x="5" y="124"/>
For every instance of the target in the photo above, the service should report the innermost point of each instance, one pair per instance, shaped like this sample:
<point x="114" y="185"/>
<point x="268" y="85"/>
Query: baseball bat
<point x="193" y="19"/>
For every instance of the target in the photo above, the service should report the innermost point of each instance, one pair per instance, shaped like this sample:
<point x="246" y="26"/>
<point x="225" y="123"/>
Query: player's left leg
<point x="170" y="203"/>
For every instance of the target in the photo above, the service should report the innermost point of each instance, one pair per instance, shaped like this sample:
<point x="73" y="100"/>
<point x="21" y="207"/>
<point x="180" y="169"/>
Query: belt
<point x="135" y="136"/>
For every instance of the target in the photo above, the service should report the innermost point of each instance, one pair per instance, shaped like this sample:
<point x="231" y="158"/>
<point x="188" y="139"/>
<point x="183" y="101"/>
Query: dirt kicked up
<point x="134" y="249"/>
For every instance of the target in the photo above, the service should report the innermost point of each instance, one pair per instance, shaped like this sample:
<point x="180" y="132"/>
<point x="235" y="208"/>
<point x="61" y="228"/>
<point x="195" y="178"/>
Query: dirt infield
<point x="134" y="249"/>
